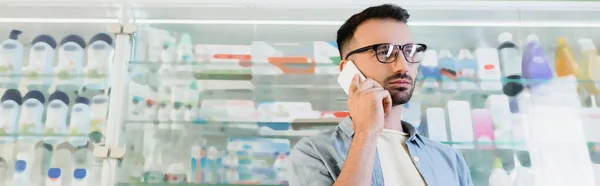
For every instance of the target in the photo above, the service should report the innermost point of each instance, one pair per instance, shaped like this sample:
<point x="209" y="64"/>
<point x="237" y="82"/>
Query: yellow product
<point x="564" y="60"/>
<point x="590" y="66"/>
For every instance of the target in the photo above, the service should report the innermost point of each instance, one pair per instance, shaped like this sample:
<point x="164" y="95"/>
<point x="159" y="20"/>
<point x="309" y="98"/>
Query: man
<point x="373" y="146"/>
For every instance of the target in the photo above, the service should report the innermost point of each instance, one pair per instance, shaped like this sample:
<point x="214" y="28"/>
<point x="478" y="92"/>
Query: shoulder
<point x="316" y="143"/>
<point x="312" y="160"/>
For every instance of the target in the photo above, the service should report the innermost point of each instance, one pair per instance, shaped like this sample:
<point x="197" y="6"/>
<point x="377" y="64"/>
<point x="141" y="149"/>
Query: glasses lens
<point x="387" y="53"/>
<point x="413" y="53"/>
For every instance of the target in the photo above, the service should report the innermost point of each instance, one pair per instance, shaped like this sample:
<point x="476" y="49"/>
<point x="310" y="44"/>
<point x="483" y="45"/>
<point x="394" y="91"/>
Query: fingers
<point x="369" y="84"/>
<point x="354" y="85"/>
<point x="380" y="94"/>
<point x="366" y="85"/>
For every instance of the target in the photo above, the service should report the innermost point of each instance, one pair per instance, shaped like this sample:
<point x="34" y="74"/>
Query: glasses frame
<point x="375" y="46"/>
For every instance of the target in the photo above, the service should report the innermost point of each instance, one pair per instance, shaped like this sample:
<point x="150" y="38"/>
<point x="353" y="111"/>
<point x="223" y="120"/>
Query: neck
<point x="393" y="119"/>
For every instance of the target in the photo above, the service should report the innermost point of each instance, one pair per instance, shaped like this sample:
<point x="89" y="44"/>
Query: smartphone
<point x="348" y="72"/>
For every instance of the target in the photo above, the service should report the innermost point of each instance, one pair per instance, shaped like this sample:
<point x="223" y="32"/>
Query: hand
<point x="368" y="102"/>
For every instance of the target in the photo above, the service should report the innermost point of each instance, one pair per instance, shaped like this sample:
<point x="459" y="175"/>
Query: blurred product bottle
<point x="447" y="62"/>
<point x="510" y="63"/>
<point x="590" y="67"/>
<point x="499" y="176"/>
<point x="536" y="65"/>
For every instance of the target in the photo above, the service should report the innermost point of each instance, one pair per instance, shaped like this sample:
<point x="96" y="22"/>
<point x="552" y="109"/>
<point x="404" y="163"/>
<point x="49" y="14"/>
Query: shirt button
<point x="416" y="158"/>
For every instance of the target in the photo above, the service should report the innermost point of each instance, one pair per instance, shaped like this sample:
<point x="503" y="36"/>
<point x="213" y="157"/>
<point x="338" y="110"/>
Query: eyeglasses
<point x="388" y="53"/>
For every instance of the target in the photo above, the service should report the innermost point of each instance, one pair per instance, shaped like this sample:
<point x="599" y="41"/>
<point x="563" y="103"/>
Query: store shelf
<point x="190" y="184"/>
<point x="245" y="129"/>
<point x="61" y="12"/>
<point x="477" y="24"/>
<point x="43" y="135"/>
<point x="56" y="18"/>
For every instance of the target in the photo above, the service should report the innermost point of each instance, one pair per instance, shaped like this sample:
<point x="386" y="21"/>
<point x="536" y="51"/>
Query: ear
<point x="342" y="64"/>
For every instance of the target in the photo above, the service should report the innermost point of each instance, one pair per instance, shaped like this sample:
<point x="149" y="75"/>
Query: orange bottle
<point x="564" y="60"/>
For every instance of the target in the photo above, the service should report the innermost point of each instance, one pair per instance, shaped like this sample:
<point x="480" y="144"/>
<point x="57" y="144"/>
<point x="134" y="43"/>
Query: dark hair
<point x="385" y="11"/>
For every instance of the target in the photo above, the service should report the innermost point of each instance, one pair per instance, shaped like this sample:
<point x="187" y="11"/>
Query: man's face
<point x="398" y="77"/>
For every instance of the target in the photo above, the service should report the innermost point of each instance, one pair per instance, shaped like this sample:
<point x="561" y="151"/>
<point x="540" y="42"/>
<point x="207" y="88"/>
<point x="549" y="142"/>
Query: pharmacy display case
<point x="218" y="92"/>
<point x="54" y="81"/>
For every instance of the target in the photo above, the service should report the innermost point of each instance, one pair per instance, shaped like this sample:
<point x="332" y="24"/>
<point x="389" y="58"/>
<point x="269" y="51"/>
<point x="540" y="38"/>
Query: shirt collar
<point x="414" y="136"/>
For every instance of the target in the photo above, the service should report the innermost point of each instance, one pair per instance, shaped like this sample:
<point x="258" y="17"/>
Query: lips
<point x="399" y="82"/>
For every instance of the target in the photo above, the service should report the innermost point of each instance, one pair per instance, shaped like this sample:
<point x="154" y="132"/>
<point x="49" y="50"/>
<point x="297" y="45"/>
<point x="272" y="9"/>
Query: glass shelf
<point x="478" y="23"/>
<point x="52" y="152"/>
<point x="237" y="129"/>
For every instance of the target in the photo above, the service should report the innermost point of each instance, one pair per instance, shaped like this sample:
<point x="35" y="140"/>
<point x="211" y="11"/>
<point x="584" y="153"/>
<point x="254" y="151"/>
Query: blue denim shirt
<point x="318" y="160"/>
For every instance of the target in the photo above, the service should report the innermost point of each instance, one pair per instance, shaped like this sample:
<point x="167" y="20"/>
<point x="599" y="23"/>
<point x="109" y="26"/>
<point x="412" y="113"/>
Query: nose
<point x="399" y="65"/>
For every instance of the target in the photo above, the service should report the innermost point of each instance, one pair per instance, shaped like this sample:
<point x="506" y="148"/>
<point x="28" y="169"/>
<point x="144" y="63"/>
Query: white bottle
<point x="211" y="172"/>
<point x="430" y="76"/>
<point x="165" y="108"/>
<point x="176" y="173"/>
<point x="137" y="108"/>
<point x="510" y="58"/>
<point x="141" y="45"/>
<point x="11" y="58"/>
<point x="231" y="162"/>
<point x="168" y="51"/>
<point x="502" y="119"/>
<point x="192" y="113"/>
<point x="179" y="125"/>
<point x="56" y="117"/>
<point x="524" y="175"/>
<point x="178" y="95"/>
<point x="30" y="121"/>
<point x="280" y="166"/>
<point x="99" y="58"/>
<point x="81" y="160"/>
<point x="99" y="107"/>
<point x="184" y="49"/>
<point x="41" y="61"/>
<point x="10" y="107"/>
<point x="447" y="61"/>
<point x="461" y="126"/>
<point x="167" y="57"/>
<point x="499" y="176"/>
<point x="23" y="166"/>
<point x="430" y="71"/>
<point x="150" y="115"/>
<point x="489" y="69"/>
<point x="509" y="55"/>
<point x="154" y="169"/>
<point x="70" y="62"/>
<point x="81" y="171"/>
<point x="155" y="42"/>
<point x="79" y="126"/>
<point x="436" y="124"/>
<point x="467" y="66"/>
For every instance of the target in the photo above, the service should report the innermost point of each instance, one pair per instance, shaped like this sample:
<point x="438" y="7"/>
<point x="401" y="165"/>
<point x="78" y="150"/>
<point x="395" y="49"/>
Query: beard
<point x="400" y="95"/>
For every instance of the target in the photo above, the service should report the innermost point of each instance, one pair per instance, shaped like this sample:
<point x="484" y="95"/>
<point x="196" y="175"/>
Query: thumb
<point x="354" y="84"/>
<point x="356" y="80"/>
<point x="387" y="102"/>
